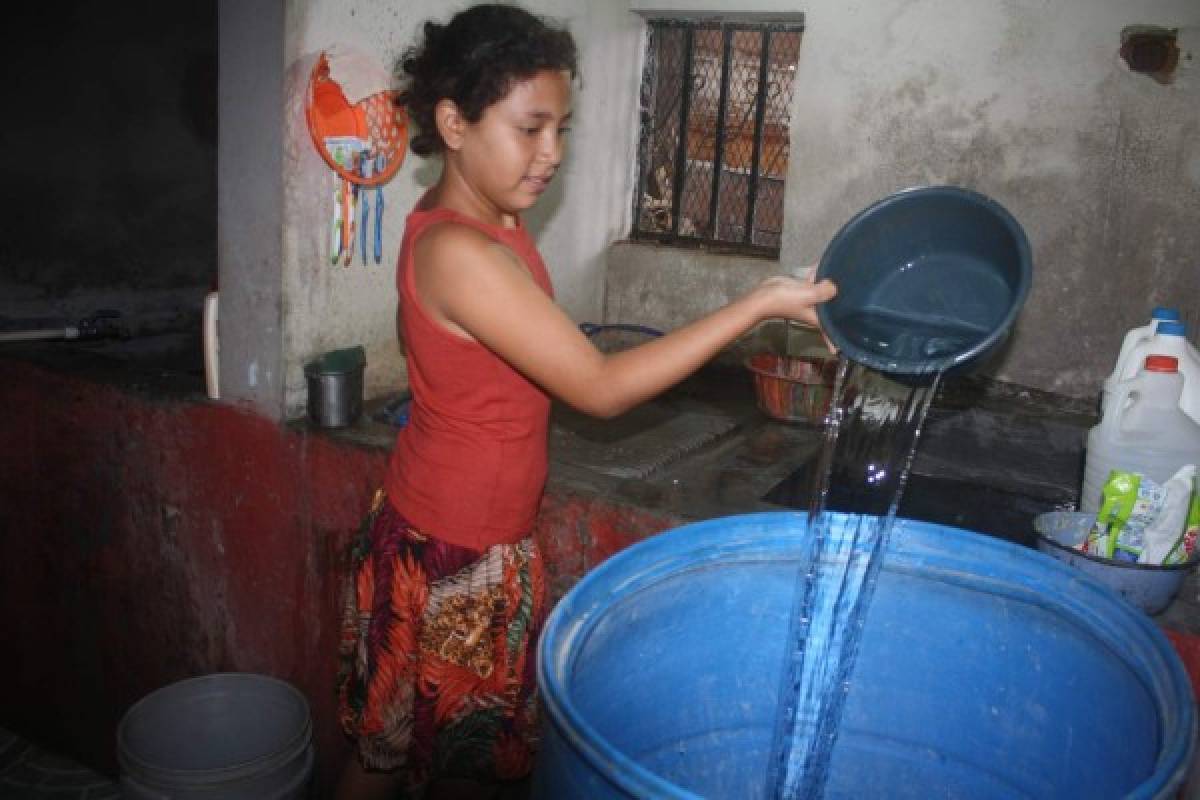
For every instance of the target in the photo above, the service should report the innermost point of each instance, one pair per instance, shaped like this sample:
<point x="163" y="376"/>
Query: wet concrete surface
<point x="987" y="446"/>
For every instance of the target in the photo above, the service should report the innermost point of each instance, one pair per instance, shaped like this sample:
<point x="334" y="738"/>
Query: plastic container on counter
<point x="1135" y="335"/>
<point x="1168" y="339"/>
<point x="1143" y="430"/>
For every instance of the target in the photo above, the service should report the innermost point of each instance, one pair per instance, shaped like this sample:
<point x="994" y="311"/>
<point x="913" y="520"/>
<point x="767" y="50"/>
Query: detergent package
<point x="1146" y="522"/>
<point x="1129" y="502"/>
<point x="1178" y="548"/>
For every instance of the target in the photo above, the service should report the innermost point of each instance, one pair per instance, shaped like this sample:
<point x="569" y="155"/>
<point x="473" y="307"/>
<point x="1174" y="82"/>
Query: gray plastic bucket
<point x="235" y="736"/>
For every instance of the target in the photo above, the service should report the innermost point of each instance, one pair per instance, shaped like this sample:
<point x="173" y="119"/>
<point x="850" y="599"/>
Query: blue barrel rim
<point x="1096" y="606"/>
<point x="213" y="777"/>
<point x="928" y="366"/>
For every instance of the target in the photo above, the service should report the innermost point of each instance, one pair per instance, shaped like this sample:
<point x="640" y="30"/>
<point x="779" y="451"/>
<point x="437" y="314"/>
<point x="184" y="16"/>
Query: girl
<point x="441" y="623"/>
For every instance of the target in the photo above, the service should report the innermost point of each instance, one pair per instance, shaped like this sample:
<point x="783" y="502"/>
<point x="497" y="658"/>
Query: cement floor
<point x="27" y="772"/>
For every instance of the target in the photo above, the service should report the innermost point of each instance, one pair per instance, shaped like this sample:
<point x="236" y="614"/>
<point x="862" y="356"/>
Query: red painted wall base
<point x="143" y="541"/>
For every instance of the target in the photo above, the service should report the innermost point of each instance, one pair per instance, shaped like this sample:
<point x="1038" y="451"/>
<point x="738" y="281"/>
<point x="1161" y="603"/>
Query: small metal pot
<point x="335" y="399"/>
<point x="1150" y="587"/>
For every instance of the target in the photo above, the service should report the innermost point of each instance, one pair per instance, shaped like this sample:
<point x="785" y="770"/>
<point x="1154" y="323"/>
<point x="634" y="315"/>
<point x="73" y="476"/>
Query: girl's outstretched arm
<point x="478" y="289"/>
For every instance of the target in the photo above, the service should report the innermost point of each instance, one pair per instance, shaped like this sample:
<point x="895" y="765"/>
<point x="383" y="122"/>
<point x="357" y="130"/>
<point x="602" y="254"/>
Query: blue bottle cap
<point x="1165" y="313"/>
<point x="1172" y="329"/>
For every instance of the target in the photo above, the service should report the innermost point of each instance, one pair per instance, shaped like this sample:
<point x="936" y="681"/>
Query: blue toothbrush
<point x="365" y="165"/>
<point x="380" y="163"/>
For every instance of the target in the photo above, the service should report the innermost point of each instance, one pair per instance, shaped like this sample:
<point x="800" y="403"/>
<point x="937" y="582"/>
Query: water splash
<point x="871" y="434"/>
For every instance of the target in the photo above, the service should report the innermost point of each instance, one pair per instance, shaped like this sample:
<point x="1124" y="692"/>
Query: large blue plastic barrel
<point x="986" y="670"/>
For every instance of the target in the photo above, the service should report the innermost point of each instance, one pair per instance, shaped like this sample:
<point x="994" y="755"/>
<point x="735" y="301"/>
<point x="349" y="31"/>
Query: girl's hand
<point x="793" y="298"/>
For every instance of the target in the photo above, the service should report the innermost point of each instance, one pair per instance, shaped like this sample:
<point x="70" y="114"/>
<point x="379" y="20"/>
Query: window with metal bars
<point x="713" y="152"/>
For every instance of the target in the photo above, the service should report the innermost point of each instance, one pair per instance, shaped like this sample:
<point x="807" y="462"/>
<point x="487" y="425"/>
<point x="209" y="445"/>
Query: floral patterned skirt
<point x="437" y="653"/>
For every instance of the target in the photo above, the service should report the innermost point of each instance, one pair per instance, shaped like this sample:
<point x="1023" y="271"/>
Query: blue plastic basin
<point x="928" y="279"/>
<point x="986" y="670"/>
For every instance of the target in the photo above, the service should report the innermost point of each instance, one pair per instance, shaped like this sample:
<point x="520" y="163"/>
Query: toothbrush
<point x="352" y="188"/>
<point x="343" y="212"/>
<point x="335" y="241"/>
<point x="347" y="223"/>
<point x="365" y="163"/>
<point x="380" y="164"/>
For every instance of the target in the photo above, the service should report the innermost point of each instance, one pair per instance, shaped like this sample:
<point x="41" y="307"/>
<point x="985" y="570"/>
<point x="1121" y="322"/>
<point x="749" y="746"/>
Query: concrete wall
<point x="666" y="287"/>
<point x="250" y="205"/>
<point x="328" y="307"/>
<point x="1025" y="101"/>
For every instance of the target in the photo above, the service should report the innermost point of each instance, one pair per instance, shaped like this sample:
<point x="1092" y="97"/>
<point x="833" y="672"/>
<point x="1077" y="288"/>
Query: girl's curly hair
<point x="474" y="61"/>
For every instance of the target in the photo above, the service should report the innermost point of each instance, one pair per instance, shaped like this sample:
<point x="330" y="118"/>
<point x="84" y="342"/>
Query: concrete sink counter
<point x="705" y="450"/>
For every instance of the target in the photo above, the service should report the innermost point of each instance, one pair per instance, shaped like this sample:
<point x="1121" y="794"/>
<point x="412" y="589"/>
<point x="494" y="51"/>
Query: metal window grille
<point x="713" y="152"/>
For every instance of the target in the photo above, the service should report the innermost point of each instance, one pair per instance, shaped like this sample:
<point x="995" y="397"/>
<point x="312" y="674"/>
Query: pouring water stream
<point x="870" y="436"/>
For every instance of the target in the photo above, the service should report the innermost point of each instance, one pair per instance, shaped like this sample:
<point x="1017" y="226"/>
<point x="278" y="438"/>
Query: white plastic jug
<point x="1169" y="339"/>
<point x="1127" y="367"/>
<point x="1143" y="430"/>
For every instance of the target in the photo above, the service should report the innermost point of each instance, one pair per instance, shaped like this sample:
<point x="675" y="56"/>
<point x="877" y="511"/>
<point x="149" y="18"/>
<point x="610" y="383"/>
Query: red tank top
<point x="470" y="466"/>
